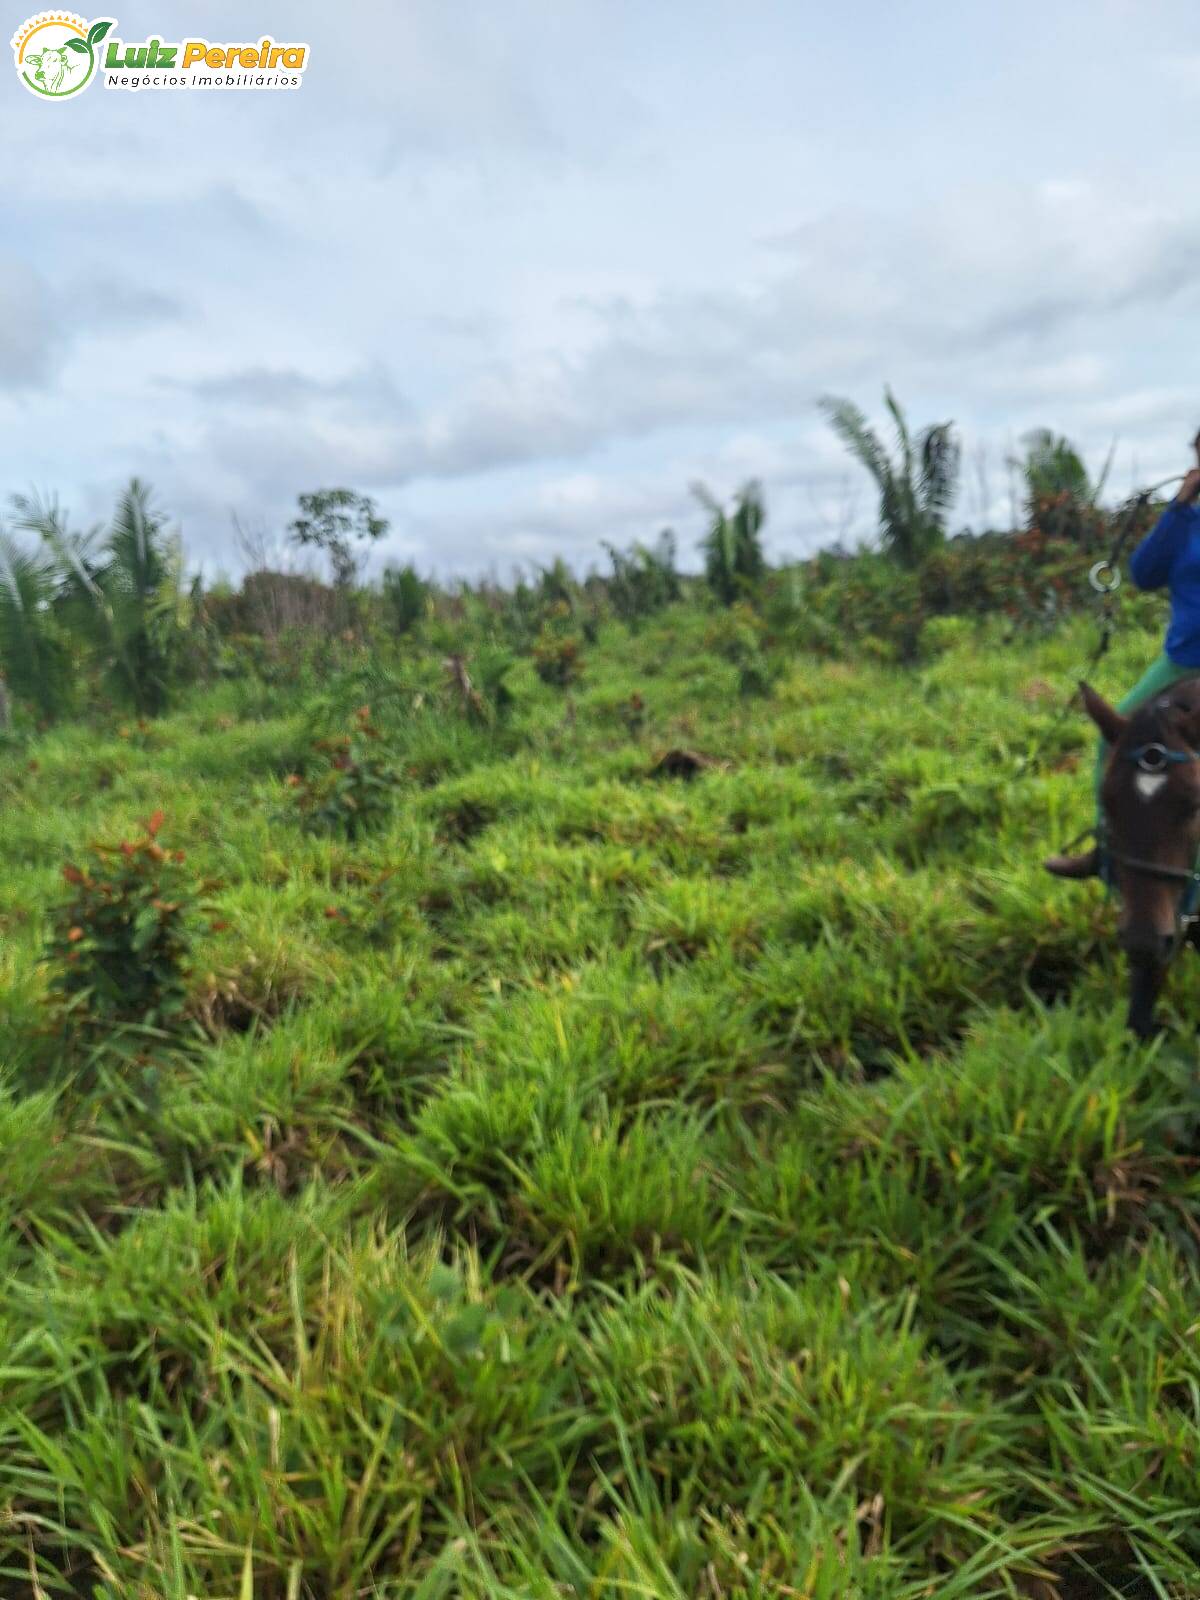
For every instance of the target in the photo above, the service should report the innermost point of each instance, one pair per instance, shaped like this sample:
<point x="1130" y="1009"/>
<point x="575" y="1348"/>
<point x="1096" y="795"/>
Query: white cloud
<point x="532" y="271"/>
<point x="34" y="330"/>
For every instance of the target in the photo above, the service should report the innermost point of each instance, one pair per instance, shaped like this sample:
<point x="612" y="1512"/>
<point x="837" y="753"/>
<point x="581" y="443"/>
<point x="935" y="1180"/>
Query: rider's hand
<point x="1189" y="488"/>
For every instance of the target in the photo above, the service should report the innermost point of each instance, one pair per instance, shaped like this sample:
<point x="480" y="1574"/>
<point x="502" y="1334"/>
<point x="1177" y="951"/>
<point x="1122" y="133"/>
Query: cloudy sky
<point x="523" y="272"/>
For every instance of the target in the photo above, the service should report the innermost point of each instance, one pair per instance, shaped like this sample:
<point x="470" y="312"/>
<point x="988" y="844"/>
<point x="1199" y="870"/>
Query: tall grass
<point x="592" y="1182"/>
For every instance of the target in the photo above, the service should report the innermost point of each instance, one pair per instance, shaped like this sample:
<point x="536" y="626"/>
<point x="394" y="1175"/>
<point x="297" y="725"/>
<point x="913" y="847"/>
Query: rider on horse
<point x="1168" y="555"/>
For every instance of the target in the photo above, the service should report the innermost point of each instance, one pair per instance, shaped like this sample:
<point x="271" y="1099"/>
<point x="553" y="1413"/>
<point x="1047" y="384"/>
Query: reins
<point x="1104" y="580"/>
<point x="1186" y="913"/>
<point x="1104" y="576"/>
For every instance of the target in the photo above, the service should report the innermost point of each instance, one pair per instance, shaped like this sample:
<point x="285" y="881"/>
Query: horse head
<point x="1150" y="799"/>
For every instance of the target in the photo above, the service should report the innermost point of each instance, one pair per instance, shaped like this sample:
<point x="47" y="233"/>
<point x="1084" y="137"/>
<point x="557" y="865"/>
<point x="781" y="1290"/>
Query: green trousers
<point x="1157" y="677"/>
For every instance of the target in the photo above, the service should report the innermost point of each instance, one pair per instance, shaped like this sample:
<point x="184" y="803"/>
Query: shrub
<point x="406" y="595"/>
<point x="1060" y="496"/>
<point x="557" y="650"/>
<point x="643" y="580"/>
<point x="519" y="615"/>
<point x="557" y="660"/>
<point x="738" y="637"/>
<point x="733" y="553"/>
<point x="867" y="599"/>
<point x="941" y="634"/>
<point x="493" y="664"/>
<point x="556" y="587"/>
<point x="482" y="693"/>
<point x="120" y="943"/>
<point x="354" y="789"/>
<point x="270" y="604"/>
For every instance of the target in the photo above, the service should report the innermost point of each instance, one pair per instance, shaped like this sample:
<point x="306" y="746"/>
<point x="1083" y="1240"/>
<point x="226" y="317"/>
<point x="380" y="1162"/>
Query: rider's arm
<point x="1150" y="564"/>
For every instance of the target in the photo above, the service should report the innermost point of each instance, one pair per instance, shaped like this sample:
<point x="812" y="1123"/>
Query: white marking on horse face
<point x="1149" y="783"/>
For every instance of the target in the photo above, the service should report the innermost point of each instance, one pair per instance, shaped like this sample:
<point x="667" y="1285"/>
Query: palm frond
<point x="914" y="495"/>
<point x="135" y="565"/>
<point x="707" y="499"/>
<point x="719" y="547"/>
<point x="128" y="597"/>
<point x="851" y="426"/>
<point x="903" y="438"/>
<point x="26" y="579"/>
<point x="1102" y="480"/>
<point x="33" y="656"/>
<point x="940" y="459"/>
<point x="72" y="553"/>
<point x="1052" y="468"/>
<point x="749" y="515"/>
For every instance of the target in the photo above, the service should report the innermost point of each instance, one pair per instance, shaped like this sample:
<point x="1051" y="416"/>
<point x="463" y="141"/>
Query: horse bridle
<point x="1155" y="758"/>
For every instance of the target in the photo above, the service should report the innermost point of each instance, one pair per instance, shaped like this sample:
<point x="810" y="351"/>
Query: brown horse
<point x="1150" y="800"/>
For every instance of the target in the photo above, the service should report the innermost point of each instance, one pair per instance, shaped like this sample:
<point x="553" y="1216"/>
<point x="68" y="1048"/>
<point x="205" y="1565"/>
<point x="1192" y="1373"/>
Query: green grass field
<point x="598" y="1184"/>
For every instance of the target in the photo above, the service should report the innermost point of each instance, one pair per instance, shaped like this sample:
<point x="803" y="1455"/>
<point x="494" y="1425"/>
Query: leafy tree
<point x="334" y="520"/>
<point x="916" y="489"/>
<point x="733" y="553"/>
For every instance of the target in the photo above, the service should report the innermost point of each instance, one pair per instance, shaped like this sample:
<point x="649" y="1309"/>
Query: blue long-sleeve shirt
<point x="1170" y="555"/>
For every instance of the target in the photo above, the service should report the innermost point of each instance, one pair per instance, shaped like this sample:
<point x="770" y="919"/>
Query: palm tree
<point x="35" y="662"/>
<point x="122" y="590"/>
<point x="917" y="489"/>
<point x="733" y="553"/>
<point x="1055" y="475"/>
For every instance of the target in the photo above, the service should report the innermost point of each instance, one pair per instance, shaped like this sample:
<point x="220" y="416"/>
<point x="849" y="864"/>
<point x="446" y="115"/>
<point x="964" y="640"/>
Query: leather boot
<point x="1084" y="866"/>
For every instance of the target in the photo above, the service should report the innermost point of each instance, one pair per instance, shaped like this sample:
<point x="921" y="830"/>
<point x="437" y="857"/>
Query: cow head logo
<point x="55" y="53"/>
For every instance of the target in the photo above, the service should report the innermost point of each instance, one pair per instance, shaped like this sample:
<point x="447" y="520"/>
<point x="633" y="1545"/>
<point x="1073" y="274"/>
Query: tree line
<point x="110" y="617"/>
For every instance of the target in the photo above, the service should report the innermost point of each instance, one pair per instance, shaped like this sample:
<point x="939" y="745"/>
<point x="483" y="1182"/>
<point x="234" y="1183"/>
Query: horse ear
<point x="1110" y="722"/>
